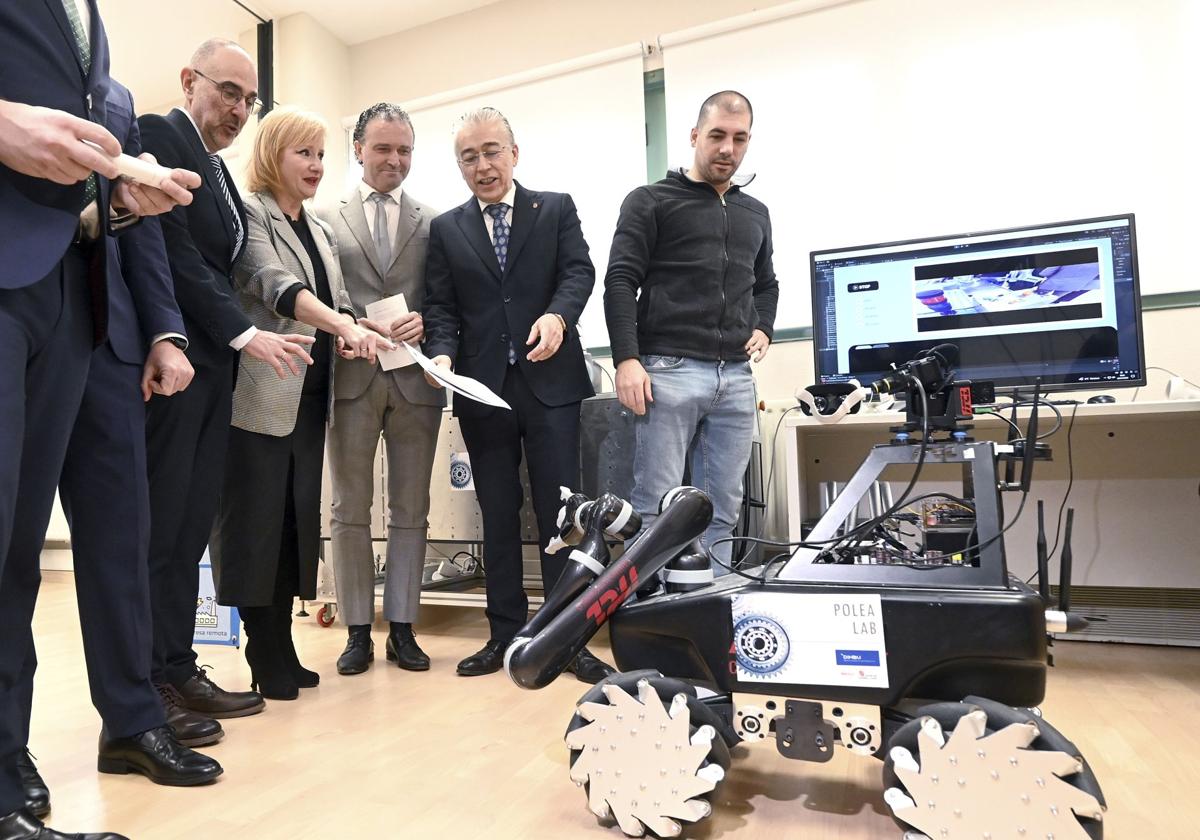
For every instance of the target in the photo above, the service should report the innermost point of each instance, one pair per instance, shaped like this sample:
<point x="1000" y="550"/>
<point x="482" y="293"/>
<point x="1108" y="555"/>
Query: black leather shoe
<point x="191" y="728"/>
<point x="402" y="648"/>
<point x="158" y="756"/>
<point x="489" y="660"/>
<point x="37" y="795"/>
<point x="200" y="694"/>
<point x="587" y="668"/>
<point x="21" y="825"/>
<point x="359" y="652"/>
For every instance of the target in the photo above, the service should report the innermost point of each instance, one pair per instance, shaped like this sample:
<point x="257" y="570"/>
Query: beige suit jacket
<point x="367" y="281"/>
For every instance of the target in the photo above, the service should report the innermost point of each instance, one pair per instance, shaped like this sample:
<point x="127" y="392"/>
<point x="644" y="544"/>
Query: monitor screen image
<point x="1057" y="301"/>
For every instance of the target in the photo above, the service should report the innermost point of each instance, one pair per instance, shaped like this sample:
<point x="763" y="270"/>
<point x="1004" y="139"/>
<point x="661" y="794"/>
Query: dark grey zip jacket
<point x="703" y="266"/>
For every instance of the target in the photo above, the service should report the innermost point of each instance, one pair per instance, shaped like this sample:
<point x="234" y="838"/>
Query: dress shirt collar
<point x="366" y="191"/>
<point x="198" y="134"/>
<point x="509" y="198"/>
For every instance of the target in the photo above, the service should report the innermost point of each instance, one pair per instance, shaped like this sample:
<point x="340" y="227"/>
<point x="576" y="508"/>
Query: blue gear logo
<point x="761" y="644"/>
<point x="460" y="474"/>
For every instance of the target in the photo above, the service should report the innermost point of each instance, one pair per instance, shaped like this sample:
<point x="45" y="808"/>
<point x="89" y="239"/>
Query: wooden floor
<point x="391" y="754"/>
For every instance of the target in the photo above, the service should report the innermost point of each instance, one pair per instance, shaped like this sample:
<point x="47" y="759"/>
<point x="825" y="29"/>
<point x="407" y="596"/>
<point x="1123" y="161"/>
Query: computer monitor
<point x="1057" y="301"/>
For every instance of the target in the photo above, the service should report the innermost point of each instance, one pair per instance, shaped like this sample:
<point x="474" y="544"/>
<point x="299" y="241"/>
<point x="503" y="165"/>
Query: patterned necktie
<point x="238" y="232"/>
<point x="85" y="54"/>
<point x="383" y="245"/>
<point x="499" y="212"/>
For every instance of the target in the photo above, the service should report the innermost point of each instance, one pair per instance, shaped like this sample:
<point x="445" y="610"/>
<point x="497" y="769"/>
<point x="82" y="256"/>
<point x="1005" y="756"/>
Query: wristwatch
<point x="181" y="343"/>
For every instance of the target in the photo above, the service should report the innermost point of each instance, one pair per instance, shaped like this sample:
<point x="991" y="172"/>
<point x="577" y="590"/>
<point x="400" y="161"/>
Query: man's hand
<point x="757" y="345"/>
<point x="410" y="328"/>
<point x="547" y="332"/>
<point x="633" y="386"/>
<point x="167" y="371"/>
<point x="278" y="350"/>
<point x="440" y="361"/>
<point x="361" y="340"/>
<point x="145" y="200"/>
<point x="46" y="143"/>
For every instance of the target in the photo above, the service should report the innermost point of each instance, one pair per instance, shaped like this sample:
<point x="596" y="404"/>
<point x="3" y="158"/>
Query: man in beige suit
<point x="382" y="234"/>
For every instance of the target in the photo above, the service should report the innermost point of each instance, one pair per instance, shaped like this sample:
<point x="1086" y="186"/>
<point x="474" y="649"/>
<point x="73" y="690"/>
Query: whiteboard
<point x="885" y="120"/>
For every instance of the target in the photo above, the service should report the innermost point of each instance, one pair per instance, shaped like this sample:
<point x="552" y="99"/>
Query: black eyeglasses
<point x="231" y="94"/>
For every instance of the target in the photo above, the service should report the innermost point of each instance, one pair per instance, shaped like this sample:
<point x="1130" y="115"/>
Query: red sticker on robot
<point x="609" y="600"/>
<point x="964" y="400"/>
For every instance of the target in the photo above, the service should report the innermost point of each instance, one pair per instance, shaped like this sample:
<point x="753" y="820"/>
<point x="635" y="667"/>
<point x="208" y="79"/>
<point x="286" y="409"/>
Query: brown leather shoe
<point x="200" y="694"/>
<point x="192" y="729"/>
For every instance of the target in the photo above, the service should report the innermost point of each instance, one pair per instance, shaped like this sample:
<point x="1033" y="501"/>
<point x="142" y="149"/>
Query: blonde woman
<point x="265" y="541"/>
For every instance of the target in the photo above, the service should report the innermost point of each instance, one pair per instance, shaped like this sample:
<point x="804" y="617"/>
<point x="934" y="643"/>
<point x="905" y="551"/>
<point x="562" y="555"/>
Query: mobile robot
<point x="931" y="661"/>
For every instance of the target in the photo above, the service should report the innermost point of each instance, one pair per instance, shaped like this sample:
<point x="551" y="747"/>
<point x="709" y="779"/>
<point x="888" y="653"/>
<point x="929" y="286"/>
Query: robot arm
<point x="588" y="593"/>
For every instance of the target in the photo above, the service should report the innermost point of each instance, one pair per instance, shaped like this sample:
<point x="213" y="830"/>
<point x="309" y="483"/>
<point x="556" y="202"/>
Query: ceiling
<point x="149" y="48"/>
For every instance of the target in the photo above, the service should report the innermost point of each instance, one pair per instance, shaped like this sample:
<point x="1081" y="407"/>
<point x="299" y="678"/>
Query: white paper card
<point x="464" y="385"/>
<point x="810" y="639"/>
<point x="383" y="312"/>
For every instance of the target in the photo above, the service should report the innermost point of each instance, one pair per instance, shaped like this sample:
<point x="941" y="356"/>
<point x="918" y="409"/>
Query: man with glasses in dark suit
<point x="507" y="276"/>
<point x="187" y="434"/>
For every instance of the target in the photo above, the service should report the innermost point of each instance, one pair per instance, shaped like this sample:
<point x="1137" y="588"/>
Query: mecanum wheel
<point x="647" y="752"/>
<point x="1001" y="773"/>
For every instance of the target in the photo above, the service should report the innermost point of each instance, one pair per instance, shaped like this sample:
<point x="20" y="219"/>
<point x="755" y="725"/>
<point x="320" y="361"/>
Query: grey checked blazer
<point x="275" y="261"/>
<point x="366" y="281"/>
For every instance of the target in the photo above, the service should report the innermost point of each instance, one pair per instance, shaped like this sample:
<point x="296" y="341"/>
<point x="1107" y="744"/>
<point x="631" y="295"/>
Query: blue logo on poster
<point x="858" y="657"/>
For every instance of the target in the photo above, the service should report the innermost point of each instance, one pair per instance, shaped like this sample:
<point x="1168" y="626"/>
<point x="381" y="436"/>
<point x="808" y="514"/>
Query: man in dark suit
<point x="187" y="434"/>
<point x="508" y="271"/>
<point x="53" y="83"/>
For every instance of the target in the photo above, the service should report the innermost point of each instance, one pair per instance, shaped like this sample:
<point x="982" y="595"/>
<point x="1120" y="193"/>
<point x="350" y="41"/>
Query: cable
<point x="766" y="501"/>
<point x="1164" y="370"/>
<point x="853" y="536"/>
<point x="1070" y="482"/>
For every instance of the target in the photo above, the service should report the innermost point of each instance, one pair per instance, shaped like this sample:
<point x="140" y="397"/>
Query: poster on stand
<point x="215" y="624"/>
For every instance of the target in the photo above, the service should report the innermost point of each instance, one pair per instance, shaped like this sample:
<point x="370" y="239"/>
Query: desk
<point x="1136" y="471"/>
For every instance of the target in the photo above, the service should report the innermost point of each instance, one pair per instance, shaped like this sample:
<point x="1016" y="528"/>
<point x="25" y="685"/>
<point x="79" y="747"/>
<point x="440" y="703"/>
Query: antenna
<point x="1043" y="563"/>
<point x="1064" y="569"/>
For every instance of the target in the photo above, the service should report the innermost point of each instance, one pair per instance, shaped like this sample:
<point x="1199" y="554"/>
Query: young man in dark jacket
<point x="699" y="251"/>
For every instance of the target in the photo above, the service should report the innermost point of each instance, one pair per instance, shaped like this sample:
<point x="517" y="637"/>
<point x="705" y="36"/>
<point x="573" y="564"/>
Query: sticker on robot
<point x="461" y="477"/>
<point x="810" y="639"/>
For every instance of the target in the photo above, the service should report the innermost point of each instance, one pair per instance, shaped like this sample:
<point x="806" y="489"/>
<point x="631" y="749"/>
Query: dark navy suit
<point x="46" y="334"/>
<point x="104" y="490"/>
<point x="472" y="312"/>
<point x="187" y="434"/>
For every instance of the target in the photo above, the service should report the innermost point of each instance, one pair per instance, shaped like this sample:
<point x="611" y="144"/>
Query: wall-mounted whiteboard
<point x="580" y="128"/>
<point x="883" y="120"/>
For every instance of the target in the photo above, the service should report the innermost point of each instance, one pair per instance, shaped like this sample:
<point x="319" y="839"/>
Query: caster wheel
<point x="326" y="615"/>
<point x="982" y="769"/>
<point x="647" y="753"/>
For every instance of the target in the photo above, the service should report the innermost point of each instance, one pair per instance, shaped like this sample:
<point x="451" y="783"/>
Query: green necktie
<point x="85" y="52"/>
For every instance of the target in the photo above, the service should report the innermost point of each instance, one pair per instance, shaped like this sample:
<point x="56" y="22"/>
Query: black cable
<point x="1070" y="481"/>
<point x="766" y="494"/>
<point x="853" y="536"/>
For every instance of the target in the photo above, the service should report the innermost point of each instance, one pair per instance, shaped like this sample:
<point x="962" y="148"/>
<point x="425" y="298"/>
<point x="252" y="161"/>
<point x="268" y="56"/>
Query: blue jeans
<point x="702" y="415"/>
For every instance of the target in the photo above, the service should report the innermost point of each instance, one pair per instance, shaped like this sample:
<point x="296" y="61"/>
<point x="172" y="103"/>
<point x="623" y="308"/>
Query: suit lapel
<point x="525" y="209"/>
<point x="470" y="222"/>
<point x="410" y="219"/>
<point x="204" y="165"/>
<point x="284" y="231"/>
<point x="331" y="264"/>
<point x="59" y="12"/>
<point x="354" y="214"/>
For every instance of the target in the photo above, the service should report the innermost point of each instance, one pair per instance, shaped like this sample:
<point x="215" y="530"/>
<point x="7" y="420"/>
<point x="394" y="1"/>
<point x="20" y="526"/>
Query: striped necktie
<point x="90" y="187"/>
<point x="238" y="232"/>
